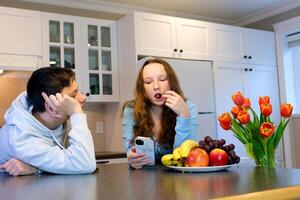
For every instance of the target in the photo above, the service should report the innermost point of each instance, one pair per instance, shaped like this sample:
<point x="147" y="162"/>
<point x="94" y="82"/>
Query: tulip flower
<point x="236" y="110"/>
<point x="266" y="129"/>
<point x="266" y="109"/>
<point x="243" y="117"/>
<point x="286" y="110"/>
<point x="264" y="100"/>
<point x="238" y="98"/>
<point x="246" y="103"/>
<point x="225" y="121"/>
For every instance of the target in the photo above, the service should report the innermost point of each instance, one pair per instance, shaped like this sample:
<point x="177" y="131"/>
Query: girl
<point x="159" y="111"/>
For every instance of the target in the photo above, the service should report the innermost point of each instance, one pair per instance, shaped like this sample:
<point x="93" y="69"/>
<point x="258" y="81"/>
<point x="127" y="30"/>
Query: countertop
<point x="109" y="155"/>
<point x="117" y="181"/>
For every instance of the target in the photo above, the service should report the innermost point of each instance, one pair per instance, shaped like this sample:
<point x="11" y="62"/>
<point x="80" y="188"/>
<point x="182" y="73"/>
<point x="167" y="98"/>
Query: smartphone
<point x="145" y="145"/>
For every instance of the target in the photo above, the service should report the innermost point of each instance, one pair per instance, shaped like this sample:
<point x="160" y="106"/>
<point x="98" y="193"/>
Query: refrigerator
<point x="196" y="81"/>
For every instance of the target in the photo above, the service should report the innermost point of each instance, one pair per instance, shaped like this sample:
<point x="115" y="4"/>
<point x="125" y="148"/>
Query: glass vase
<point x="262" y="155"/>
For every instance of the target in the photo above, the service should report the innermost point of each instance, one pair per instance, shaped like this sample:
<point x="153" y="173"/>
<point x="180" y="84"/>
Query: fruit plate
<point x="202" y="169"/>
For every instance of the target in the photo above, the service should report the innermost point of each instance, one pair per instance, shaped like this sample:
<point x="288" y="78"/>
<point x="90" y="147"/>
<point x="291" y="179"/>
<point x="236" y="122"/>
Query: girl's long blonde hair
<point x="141" y="106"/>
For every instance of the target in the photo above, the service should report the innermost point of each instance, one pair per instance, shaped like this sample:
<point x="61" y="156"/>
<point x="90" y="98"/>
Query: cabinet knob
<point x="245" y="56"/>
<point x="87" y="94"/>
<point x="246" y="69"/>
<point x="175" y="50"/>
<point x="249" y="57"/>
<point x="181" y="51"/>
<point x="250" y="69"/>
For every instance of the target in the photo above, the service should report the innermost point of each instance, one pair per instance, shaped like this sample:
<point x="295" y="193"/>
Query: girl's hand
<point x="176" y="103"/>
<point x="136" y="160"/>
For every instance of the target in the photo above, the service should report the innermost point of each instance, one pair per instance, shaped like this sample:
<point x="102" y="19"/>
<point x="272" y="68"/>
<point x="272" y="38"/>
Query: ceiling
<point x="238" y="12"/>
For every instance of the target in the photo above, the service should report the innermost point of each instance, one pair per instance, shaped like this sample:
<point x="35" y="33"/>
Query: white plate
<point x="202" y="169"/>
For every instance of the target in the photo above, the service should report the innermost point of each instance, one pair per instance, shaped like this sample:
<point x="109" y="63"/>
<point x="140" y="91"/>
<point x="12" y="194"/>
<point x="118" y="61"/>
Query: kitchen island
<point x="117" y="181"/>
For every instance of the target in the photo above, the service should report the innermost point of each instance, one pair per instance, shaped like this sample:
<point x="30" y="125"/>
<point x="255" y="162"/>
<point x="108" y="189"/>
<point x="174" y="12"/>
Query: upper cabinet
<point x="165" y="36"/>
<point x="88" y="47"/>
<point x="20" y="38"/>
<point x="243" y="45"/>
<point x="100" y="76"/>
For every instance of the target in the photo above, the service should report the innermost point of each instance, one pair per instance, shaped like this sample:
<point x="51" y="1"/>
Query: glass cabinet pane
<point x="69" y="58"/>
<point x="92" y="35"/>
<point x="54" y="31"/>
<point x="106" y="61"/>
<point x="68" y="33"/>
<point x="105" y="36"/>
<point x="54" y="57"/>
<point x="94" y="83"/>
<point x="107" y="84"/>
<point x="93" y="59"/>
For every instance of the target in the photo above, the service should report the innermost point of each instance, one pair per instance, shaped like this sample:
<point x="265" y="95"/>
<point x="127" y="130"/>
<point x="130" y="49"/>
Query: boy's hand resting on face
<point x="136" y="160"/>
<point x="62" y="104"/>
<point x="16" y="167"/>
<point x="176" y="103"/>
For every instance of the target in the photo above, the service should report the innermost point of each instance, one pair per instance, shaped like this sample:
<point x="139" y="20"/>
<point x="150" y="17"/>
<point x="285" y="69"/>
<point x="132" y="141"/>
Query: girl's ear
<point x="51" y="112"/>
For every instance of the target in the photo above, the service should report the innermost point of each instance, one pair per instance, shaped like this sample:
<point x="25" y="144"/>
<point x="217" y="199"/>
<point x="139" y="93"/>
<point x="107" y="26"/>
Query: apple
<point x="218" y="157"/>
<point x="197" y="158"/>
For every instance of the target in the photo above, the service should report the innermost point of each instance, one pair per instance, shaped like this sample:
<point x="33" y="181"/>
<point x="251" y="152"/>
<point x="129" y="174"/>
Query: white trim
<point x="278" y="8"/>
<point x="281" y="30"/>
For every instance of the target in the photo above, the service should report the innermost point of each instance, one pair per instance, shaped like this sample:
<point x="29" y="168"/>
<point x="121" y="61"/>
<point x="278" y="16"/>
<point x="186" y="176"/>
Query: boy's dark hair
<point x="50" y="80"/>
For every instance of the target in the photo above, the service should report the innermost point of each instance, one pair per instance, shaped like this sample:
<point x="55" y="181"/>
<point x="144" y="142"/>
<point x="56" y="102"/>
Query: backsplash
<point x="12" y="83"/>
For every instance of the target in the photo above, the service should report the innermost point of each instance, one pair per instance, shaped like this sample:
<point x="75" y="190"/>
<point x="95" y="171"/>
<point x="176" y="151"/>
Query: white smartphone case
<point x="145" y="145"/>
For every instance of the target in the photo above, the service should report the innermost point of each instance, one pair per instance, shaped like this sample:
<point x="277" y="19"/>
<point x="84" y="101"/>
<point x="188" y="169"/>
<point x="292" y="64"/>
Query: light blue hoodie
<point x="23" y="137"/>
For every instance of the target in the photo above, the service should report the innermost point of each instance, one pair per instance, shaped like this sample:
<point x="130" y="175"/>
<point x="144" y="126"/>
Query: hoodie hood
<point x="19" y="115"/>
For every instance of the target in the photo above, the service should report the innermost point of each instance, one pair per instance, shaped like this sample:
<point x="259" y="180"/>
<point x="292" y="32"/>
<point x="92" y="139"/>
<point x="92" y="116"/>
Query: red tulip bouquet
<point x="259" y="134"/>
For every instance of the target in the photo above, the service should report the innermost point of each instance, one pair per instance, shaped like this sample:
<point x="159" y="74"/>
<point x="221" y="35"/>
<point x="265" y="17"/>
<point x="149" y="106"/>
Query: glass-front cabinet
<point x="88" y="47"/>
<point x="100" y="59"/>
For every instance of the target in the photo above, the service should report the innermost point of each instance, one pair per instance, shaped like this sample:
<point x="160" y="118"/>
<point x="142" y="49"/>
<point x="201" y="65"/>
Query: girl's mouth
<point x="158" y="96"/>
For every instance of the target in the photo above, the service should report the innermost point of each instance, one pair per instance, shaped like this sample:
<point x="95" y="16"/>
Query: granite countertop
<point x="118" y="181"/>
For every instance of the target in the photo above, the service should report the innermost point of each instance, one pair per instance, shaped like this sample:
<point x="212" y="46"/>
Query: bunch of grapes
<point x="209" y="144"/>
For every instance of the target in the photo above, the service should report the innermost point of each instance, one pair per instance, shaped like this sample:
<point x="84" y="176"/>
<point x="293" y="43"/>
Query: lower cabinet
<point x="253" y="81"/>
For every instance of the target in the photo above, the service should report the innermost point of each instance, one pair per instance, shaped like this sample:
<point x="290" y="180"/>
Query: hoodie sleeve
<point x="44" y="154"/>
<point x="187" y="127"/>
<point x="128" y="123"/>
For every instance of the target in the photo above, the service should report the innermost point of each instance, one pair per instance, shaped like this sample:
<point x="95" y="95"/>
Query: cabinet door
<point x="193" y="39"/>
<point x="155" y="35"/>
<point x="20" y="31"/>
<point x="261" y="47"/>
<point x="62" y="43"/>
<point x="229" y="78"/>
<point x="229" y="44"/>
<point x="100" y="70"/>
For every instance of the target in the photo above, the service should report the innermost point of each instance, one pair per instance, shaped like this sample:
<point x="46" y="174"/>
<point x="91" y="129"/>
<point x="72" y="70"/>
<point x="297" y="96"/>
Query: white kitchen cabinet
<point x="20" y="38"/>
<point x="165" y="36"/>
<point x="253" y="81"/>
<point x="88" y="47"/>
<point x="100" y="75"/>
<point x="244" y="45"/>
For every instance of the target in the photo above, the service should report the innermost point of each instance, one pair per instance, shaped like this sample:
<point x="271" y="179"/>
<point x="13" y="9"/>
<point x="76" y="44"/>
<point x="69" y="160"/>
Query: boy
<point x="35" y="136"/>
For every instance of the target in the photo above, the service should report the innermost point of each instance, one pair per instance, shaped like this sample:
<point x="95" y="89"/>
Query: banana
<point x="177" y="164"/>
<point x="187" y="146"/>
<point x="167" y="160"/>
<point x="177" y="154"/>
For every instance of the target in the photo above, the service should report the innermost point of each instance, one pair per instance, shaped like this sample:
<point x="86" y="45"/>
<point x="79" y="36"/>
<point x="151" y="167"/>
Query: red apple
<point x="218" y="157"/>
<point x="197" y="158"/>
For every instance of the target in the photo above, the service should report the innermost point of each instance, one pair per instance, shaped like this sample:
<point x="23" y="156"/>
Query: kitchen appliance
<point x="196" y="81"/>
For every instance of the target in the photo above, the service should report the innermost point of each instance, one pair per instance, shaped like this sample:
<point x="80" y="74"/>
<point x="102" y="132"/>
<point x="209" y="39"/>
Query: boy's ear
<point x="51" y="112"/>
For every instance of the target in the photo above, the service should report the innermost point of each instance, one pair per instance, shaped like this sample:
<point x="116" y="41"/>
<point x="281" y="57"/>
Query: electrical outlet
<point x="99" y="127"/>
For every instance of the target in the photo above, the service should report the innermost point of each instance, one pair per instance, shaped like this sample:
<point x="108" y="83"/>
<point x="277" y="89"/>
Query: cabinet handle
<point x="175" y="50"/>
<point x="245" y="56"/>
<point x="246" y="69"/>
<point x="87" y="94"/>
<point x="181" y="51"/>
<point x="249" y="57"/>
<point x="250" y="69"/>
